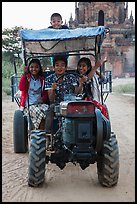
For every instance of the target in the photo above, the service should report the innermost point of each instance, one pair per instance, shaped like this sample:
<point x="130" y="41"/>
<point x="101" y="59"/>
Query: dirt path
<point x="71" y="184"/>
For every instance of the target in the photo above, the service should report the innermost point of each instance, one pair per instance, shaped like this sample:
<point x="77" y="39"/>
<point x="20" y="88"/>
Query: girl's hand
<point x="100" y="62"/>
<point x="83" y="79"/>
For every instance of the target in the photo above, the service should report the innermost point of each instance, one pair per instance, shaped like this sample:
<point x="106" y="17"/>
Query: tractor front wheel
<point x="108" y="162"/>
<point x="37" y="158"/>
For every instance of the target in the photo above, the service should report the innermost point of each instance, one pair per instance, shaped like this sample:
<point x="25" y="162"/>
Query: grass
<point x="6" y="85"/>
<point x="126" y="88"/>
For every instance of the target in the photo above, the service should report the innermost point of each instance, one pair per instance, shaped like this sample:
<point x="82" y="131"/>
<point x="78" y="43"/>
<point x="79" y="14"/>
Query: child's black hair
<point x="60" y="57"/>
<point x="55" y="15"/>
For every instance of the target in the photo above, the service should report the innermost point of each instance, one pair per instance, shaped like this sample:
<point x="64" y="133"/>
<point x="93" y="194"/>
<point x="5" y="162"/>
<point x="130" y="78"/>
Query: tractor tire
<point x="20" y="132"/>
<point x="37" y="158"/>
<point x="108" y="162"/>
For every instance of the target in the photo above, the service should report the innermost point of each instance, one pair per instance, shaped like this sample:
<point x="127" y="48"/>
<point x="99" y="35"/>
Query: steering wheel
<point x="65" y="74"/>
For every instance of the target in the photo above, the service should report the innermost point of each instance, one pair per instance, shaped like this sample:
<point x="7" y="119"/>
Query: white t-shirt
<point x="96" y="90"/>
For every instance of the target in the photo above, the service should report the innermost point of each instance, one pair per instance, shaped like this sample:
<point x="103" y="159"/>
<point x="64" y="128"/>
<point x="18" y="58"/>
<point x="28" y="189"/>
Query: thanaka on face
<point x="82" y="68"/>
<point x="34" y="69"/>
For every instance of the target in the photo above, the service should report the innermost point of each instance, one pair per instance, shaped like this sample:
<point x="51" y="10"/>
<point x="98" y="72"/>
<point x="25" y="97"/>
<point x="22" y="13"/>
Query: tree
<point x="11" y="42"/>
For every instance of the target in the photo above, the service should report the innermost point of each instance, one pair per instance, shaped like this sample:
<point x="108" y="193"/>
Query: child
<point x="63" y="86"/>
<point x="56" y="22"/>
<point x="33" y="94"/>
<point x="85" y="68"/>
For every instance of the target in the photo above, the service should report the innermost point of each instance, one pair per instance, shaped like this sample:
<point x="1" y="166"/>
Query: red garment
<point x="24" y="86"/>
<point x="102" y="108"/>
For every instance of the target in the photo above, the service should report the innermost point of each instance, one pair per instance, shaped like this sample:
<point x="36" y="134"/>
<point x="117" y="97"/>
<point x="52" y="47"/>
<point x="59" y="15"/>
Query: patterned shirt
<point x="64" y="87"/>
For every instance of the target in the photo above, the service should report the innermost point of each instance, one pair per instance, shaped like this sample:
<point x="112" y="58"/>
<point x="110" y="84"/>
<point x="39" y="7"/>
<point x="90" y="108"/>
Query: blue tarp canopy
<point x="60" y="34"/>
<point x="52" y="41"/>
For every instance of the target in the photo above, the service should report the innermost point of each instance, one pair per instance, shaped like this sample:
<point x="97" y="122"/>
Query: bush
<point x="7" y="69"/>
<point x="7" y="90"/>
<point x="126" y="88"/>
<point x="6" y="85"/>
<point x="7" y="72"/>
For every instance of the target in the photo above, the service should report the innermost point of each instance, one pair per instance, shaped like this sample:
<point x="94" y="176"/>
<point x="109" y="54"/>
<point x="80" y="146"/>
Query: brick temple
<point x="119" y="45"/>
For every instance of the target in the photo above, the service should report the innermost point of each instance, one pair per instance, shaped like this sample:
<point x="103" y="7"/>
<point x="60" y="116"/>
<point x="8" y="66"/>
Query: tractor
<point x="81" y="133"/>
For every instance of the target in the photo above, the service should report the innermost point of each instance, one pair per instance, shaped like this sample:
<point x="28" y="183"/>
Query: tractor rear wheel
<point x="20" y="132"/>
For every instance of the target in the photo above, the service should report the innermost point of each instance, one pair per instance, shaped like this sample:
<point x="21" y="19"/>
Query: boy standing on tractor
<point x="56" y="22"/>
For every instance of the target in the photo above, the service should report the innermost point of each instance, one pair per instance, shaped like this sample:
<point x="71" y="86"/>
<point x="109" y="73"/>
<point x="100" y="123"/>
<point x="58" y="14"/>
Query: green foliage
<point x="11" y="50"/>
<point x="8" y="71"/>
<point x="126" y="88"/>
<point x="11" y="41"/>
<point x="7" y="67"/>
<point x="6" y="85"/>
<point x="7" y="91"/>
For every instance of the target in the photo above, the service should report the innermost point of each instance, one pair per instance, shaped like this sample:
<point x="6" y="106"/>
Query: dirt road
<point x="72" y="184"/>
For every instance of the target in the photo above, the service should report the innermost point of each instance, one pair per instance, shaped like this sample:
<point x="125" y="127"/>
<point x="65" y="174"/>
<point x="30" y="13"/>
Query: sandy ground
<point x="72" y="184"/>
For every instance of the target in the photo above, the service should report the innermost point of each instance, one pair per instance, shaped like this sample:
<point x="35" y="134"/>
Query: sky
<point x="36" y="15"/>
